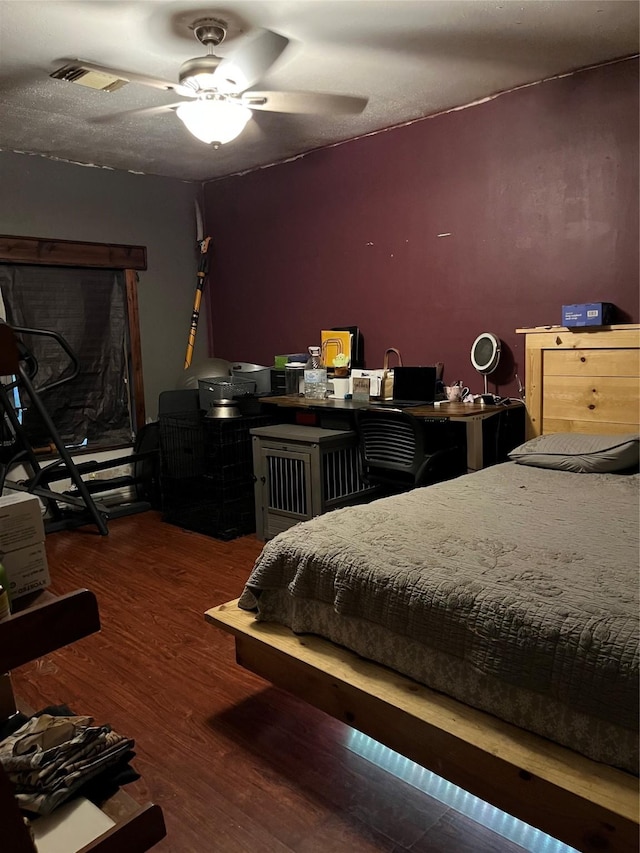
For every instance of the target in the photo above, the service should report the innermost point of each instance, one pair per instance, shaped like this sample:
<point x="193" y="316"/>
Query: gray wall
<point x="65" y="201"/>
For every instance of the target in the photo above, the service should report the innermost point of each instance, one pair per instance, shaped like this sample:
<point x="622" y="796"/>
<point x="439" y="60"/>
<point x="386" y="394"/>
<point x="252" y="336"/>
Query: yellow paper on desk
<point x="333" y="344"/>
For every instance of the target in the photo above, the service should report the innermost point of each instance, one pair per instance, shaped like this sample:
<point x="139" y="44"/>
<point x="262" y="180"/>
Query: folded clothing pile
<point x="50" y="757"/>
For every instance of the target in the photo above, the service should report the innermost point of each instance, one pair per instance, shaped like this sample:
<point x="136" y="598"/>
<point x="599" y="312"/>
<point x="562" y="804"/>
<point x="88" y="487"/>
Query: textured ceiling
<point x="410" y="59"/>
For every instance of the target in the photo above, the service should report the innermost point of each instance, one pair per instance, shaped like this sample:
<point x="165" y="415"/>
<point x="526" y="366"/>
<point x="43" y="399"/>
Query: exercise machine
<point x="75" y="506"/>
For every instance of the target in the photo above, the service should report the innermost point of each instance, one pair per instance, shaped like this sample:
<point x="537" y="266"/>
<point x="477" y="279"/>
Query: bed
<point x="499" y="644"/>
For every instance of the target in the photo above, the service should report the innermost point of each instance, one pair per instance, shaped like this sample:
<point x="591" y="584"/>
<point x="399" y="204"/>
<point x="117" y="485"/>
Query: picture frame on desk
<point x="375" y="377"/>
<point x="361" y="389"/>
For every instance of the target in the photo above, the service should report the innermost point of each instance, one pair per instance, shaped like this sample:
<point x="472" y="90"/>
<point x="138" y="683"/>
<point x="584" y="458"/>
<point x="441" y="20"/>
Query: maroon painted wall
<point x="536" y="192"/>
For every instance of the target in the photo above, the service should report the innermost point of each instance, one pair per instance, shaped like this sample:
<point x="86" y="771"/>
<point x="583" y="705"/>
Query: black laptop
<point x="412" y="386"/>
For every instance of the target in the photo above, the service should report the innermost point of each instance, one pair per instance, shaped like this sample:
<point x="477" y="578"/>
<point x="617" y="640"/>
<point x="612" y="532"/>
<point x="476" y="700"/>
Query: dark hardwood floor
<point x="235" y="764"/>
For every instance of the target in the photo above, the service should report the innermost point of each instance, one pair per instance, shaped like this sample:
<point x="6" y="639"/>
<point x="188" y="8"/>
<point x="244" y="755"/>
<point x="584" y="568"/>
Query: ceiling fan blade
<point x="143" y="111"/>
<point x="74" y="67"/>
<point x="248" y="64"/>
<point x="304" y="102"/>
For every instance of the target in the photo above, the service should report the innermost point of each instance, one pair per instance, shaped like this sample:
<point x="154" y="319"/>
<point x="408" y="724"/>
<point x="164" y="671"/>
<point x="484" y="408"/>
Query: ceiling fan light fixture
<point x="213" y="120"/>
<point x="206" y="81"/>
<point x="199" y="73"/>
<point x="199" y="83"/>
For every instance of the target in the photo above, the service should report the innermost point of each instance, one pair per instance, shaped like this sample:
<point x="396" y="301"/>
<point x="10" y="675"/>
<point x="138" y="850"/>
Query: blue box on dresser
<point x="588" y="314"/>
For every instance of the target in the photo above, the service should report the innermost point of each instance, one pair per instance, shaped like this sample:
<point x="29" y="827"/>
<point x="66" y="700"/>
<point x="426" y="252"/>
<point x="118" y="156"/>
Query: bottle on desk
<point x="315" y="376"/>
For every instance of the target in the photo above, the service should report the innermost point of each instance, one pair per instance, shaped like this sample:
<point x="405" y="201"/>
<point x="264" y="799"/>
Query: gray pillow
<point x="584" y="454"/>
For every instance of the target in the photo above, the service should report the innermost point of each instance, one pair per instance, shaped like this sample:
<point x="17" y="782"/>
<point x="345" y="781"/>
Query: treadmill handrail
<point x="23" y="330"/>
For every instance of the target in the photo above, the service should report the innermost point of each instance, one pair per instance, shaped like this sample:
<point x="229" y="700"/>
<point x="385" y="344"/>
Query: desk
<point x="473" y="415"/>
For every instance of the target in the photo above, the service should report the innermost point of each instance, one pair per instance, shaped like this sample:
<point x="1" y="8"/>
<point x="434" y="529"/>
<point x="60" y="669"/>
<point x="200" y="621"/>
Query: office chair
<point x="396" y="453"/>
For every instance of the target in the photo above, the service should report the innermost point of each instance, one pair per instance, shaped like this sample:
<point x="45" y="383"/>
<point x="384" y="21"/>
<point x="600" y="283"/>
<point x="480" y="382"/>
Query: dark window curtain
<point x="88" y="308"/>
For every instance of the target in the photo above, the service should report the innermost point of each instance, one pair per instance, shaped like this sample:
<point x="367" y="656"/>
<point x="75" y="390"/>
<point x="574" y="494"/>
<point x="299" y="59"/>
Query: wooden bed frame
<point x="577" y="380"/>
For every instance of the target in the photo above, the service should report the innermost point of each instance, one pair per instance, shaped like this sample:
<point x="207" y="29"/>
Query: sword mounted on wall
<point x="203" y="244"/>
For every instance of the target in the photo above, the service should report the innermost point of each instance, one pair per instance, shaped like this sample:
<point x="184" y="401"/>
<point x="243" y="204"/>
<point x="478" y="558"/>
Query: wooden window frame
<point x="69" y="253"/>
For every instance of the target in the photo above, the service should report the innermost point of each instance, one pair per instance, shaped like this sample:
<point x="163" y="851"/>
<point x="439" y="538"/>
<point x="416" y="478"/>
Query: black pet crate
<point x="301" y="472"/>
<point x="207" y="473"/>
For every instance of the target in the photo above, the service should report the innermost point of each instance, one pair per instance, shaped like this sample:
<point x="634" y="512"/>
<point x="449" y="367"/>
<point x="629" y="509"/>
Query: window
<point x="89" y="298"/>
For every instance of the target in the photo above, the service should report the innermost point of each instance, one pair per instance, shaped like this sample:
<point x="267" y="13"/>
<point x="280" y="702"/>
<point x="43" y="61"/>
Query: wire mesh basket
<point x="224" y="388"/>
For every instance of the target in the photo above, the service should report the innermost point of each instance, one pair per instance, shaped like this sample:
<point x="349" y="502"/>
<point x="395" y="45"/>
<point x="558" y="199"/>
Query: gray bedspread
<point x="514" y="589"/>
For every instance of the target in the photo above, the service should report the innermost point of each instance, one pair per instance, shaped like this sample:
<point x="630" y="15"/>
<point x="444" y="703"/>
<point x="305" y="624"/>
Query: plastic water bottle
<point x="315" y="376"/>
<point x="314" y="361"/>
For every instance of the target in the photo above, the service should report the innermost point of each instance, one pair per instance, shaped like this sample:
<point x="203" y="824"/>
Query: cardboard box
<point x="26" y="569"/>
<point x="588" y="314"/>
<point x="20" y="521"/>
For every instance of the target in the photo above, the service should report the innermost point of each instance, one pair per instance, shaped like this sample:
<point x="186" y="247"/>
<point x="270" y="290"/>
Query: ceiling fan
<point x="217" y="104"/>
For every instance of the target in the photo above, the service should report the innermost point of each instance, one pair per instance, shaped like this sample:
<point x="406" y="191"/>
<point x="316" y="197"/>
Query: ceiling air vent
<point x="91" y="79"/>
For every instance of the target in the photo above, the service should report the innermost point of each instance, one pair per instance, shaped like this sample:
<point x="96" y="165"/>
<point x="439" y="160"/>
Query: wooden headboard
<point x="582" y="379"/>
